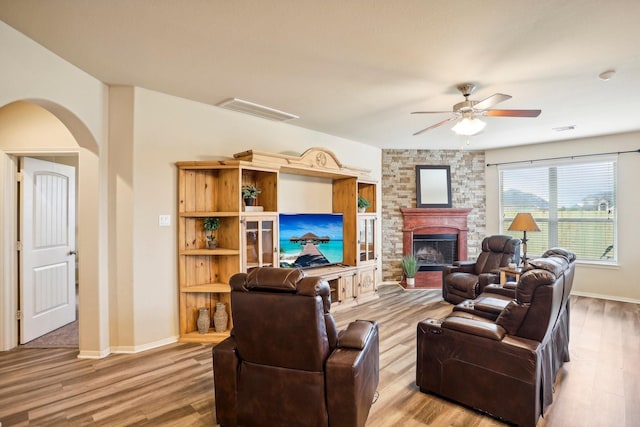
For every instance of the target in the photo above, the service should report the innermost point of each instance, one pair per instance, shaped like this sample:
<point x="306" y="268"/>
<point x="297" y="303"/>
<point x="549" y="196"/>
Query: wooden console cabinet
<point x="248" y="240"/>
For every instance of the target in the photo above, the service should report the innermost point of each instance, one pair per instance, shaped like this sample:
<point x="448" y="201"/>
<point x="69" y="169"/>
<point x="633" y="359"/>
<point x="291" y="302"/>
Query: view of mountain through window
<point x="573" y="203"/>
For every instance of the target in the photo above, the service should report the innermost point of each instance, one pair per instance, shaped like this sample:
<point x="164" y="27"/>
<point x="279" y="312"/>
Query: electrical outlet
<point x="164" y="220"/>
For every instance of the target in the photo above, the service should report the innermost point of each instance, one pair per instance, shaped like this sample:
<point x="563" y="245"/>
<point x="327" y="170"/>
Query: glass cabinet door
<point x="366" y="238"/>
<point x="260" y="242"/>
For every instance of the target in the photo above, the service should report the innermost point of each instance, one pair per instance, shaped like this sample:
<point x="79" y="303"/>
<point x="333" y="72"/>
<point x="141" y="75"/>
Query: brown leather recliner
<point x="285" y="363"/>
<point x="507" y="366"/>
<point x="467" y="279"/>
<point x="495" y="298"/>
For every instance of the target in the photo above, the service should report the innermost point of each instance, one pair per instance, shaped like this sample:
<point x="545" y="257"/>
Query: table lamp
<point x="524" y="222"/>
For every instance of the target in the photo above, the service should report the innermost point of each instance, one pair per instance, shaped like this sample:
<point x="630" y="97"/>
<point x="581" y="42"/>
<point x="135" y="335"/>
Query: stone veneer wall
<point x="399" y="191"/>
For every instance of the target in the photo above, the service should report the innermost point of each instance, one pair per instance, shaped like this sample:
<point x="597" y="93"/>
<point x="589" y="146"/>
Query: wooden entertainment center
<point x="247" y="240"/>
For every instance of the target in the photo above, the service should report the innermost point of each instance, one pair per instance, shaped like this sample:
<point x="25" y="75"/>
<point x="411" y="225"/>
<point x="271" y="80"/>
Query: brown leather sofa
<point x="505" y="366"/>
<point x="467" y="279"/>
<point x="285" y="363"/>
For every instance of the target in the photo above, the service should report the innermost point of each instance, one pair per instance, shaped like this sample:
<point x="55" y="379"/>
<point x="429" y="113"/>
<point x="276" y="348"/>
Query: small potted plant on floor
<point x="410" y="268"/>
<point x="363" y="204"/>
<point x="210" y="225"/>
<point x="250" y="194"/>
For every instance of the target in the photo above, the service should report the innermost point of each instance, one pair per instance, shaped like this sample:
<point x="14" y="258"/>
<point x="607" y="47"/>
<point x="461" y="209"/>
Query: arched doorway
<point x="36" y="128"/>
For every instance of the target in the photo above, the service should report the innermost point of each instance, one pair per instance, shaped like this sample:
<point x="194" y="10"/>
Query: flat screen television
<point x="310" y="239"/>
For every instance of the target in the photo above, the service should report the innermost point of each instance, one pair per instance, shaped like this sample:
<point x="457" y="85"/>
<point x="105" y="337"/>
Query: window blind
<point x="573" y="203"/>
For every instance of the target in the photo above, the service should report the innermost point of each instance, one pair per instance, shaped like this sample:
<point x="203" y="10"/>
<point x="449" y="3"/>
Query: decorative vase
<point x="249" y="201"/>
<point x="220" y="317"/>
<point x="203" y="320"/>
<point x="362" y="210"/>
<point x="411" y="281"/>
<point x="212" y="243"/>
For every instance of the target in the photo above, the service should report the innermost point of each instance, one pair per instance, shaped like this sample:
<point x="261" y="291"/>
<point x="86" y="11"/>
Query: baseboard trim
<point x="90" y="354"/>
<point x="389" y="283"/>
<point x="143" y="347"/>
<point x="607" y="297"/>
<point x="126" y="349"/>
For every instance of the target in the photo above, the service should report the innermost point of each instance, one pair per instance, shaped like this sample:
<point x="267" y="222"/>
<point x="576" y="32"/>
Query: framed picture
<point x="433" y="186"/>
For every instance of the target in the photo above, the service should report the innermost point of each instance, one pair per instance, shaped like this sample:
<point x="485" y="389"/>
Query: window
<point x="574" y="204"/>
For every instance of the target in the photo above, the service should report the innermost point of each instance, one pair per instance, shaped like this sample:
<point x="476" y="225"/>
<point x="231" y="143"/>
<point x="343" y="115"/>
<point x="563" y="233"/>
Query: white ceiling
<point x="357" y="68"/>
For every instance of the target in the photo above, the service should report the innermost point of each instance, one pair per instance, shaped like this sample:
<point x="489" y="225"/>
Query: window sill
<point x="611" y="265"/>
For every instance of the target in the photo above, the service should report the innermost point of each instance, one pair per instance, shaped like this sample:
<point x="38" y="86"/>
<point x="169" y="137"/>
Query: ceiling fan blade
<point x="511" y="113"/>
<point x="430" y="112"/>
<point x="436" y="125"/>
<point x="491" y="101"/>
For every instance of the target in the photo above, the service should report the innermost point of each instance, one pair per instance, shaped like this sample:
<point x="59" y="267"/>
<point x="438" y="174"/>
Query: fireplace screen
<point x="434" y="251"/>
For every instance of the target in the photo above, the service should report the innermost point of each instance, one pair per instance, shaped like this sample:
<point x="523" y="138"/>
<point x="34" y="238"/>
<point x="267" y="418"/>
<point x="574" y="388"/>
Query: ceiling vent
<point x="564" y="128"/>
<point x="247" y="107"/>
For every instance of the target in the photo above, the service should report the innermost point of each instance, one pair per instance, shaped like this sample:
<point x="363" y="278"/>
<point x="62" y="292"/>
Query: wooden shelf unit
<point x="213" y="189"/>
<point x="250" y="239"/>
<point x="367" y="189"/>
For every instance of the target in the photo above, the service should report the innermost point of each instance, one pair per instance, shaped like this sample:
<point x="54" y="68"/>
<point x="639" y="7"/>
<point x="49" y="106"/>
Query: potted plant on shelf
<point x="210" y="225"/>
<point x="410" y="268"/>
<point x="250" y="194"/>
<point x="363" y="204"/>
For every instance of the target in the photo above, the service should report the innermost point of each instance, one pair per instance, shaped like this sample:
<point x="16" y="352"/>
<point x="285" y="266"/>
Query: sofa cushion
<point x="497" y="251"/>
<point x="570" y="256"/>
<point x="511" y="317"/>
<point x="530" y="281"/>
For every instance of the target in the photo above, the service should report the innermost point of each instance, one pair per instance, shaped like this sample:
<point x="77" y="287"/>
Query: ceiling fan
<point x="466" y="112"/>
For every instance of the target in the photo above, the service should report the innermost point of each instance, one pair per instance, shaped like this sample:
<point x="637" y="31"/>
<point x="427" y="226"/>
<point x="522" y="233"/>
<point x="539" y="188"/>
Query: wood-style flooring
<point x="173" y="385"/>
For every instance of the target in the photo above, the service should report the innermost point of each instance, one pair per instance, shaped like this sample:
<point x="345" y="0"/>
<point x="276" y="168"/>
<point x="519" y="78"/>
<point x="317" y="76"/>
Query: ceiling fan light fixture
<point x="465" y="112"/>
<point x="469" y="126"/>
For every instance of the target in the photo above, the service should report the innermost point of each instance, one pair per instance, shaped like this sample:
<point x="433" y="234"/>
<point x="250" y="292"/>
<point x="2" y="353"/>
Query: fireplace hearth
<point x="436" y="237"/>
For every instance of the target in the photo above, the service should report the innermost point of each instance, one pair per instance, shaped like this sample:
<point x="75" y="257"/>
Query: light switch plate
<point x="164" y="220"/>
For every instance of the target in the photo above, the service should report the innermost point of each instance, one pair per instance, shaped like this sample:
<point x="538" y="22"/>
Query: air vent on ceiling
<point x="247" y="107"/>
<point x="564" y="128"/>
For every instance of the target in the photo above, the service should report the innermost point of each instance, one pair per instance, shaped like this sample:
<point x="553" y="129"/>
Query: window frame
<point x="550" y="163"/>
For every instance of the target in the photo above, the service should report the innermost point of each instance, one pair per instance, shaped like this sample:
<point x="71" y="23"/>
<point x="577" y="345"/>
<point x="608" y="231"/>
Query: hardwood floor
<point x="173" y="385"/>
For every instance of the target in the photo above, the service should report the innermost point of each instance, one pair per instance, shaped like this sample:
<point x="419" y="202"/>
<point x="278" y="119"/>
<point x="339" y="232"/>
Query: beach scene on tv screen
<point x="310" y="240"/>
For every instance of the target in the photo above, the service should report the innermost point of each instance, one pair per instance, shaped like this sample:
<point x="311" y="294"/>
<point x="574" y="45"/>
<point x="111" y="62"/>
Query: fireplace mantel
<point x="434" y="221"/>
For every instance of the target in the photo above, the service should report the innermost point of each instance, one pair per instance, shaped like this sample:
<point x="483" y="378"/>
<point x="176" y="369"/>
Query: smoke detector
<point x="606" y="75"/>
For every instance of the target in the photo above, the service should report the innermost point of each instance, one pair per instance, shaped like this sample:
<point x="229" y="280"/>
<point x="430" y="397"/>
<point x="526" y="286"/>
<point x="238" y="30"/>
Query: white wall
<point x="31" y="73"/>
<point x="128" y="279"/>
<point x="619" y="282"/>
<point x="170" y="129"/>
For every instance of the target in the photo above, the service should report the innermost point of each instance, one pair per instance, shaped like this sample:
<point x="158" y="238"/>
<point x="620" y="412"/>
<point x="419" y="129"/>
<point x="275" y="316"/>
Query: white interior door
<point x="47" y="257"/>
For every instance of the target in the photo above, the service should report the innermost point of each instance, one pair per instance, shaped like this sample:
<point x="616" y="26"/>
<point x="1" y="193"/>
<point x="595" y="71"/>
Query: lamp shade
<point x="469" y="126"/>
<point x="524" y="222"/>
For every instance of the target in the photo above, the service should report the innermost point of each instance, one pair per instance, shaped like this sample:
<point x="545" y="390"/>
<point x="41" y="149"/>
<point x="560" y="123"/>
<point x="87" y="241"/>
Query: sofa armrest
<point x="485" y="279"/>
<point x="356" y="334"/>
<point x="460" y="267"/>
<point x="501" y="290"/>
<point x="510" y="285"/>
<point x="225" y="377"/>
<point x="485" y="329"/>
<point x="488" y="278"/>
<point x="464" y="263"/>
<point x="352" y="376"/>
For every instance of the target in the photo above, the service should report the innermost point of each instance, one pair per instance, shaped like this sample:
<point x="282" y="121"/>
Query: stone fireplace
<point x="436" y="237"/>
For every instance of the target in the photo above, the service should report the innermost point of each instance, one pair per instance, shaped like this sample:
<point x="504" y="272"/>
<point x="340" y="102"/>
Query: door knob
<point x="72" y="253"/>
